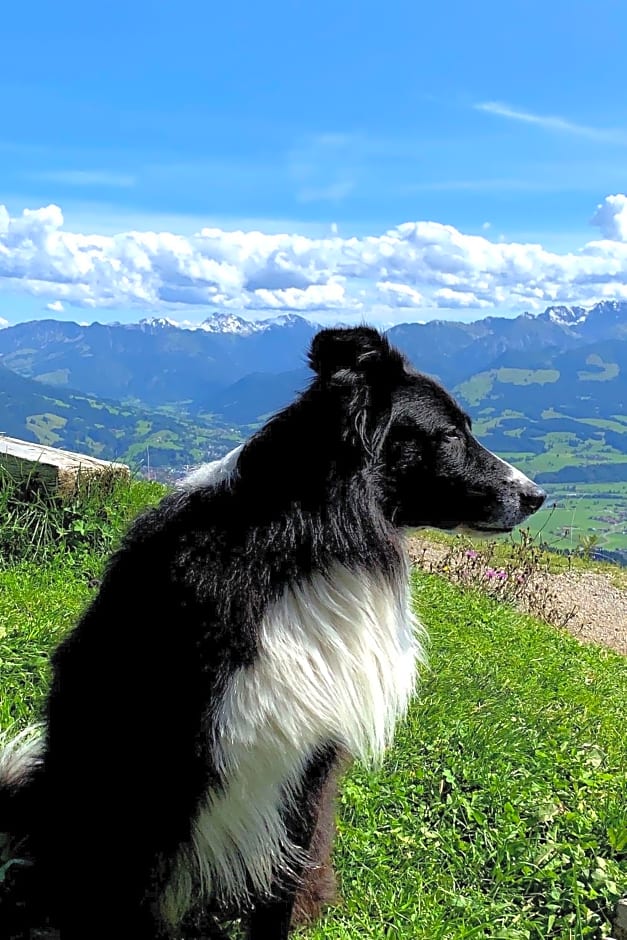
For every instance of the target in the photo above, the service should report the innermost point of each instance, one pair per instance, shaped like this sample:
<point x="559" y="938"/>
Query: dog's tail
<point x="21" y="759"/>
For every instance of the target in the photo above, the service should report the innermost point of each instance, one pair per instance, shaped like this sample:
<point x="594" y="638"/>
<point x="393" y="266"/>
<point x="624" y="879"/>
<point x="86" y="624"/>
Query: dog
<point x="251" y="634"/>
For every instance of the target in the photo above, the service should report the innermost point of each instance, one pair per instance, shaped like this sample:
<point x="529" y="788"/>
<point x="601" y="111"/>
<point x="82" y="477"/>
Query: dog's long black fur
<point x="102" y="811"/>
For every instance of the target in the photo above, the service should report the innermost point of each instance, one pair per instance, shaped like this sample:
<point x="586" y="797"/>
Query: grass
<point x="500" y="811"/>
<point x="51" y="552"/>
<point x="527" y="376"/>
<point x="38" y="604"/>
<point x="35" y="524"/>
<point x="45" y="427"/>
<point x="578" y="510"/>
<point x="561" y="453"/>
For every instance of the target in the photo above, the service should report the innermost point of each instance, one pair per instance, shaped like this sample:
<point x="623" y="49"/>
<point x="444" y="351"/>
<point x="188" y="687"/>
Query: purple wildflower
<point x="471" y="553"/>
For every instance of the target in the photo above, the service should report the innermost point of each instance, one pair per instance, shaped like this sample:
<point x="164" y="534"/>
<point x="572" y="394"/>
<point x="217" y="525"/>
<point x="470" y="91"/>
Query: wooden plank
<point x="61" y="470"/>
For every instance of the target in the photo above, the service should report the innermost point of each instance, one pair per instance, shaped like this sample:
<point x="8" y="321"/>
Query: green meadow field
<point x="498" y="814"/>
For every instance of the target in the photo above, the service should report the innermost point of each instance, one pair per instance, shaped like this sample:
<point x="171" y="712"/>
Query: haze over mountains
<point x="189" y="392"/>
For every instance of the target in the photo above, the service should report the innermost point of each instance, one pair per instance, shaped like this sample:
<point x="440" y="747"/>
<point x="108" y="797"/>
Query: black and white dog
<point x="250" y="632"/>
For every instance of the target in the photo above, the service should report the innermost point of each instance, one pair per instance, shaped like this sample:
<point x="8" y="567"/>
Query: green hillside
<point x="560" y="417"/>
<point x="35" y="412"/>
<point x="556" y="410"/>
<point x="499" y="814"/>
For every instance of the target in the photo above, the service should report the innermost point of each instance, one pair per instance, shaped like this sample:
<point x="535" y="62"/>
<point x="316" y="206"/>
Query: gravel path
<point x="599" y="607"/>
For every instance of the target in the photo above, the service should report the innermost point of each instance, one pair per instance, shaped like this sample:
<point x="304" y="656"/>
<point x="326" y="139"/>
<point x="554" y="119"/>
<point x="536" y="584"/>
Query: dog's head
<point x="430" y="468"/>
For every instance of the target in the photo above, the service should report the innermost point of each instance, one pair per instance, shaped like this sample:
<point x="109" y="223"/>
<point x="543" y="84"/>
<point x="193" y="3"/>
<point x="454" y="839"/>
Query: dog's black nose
<point x="531" y="498"/>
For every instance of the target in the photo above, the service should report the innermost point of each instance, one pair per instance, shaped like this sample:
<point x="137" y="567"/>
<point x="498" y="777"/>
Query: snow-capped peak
<point x="158" y="323"/>
<point x="229" y="323"/>
<point x="284" y="319"/>
<point x="565" y="316"/>
<point x="220" y="323"/>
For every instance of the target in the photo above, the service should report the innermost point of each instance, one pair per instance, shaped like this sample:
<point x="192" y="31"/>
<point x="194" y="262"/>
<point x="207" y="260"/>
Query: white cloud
<point x="331" y="296"/>
<point x="419" y="265"/>
<point x="3" y="323"/>
<point x="56" y="306"/>
<point x="611" y="217"/>
<point x="552" y="123"/>
<point x="399" y="295"/>
<point x="458" y="299"/>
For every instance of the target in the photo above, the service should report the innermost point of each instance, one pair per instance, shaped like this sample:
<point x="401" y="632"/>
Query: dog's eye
<point x="453" y="434"/>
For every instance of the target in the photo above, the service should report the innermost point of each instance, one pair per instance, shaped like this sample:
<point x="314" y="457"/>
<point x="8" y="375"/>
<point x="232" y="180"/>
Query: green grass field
<point x="577" y="510"/>
<point x="500" y="811"/>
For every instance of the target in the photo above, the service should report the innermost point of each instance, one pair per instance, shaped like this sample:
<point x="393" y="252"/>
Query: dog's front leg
<point x="271" y="920"/>
<point x="310" y="825"/>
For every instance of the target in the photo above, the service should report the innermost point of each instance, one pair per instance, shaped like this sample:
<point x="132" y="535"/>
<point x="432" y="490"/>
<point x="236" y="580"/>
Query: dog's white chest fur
<point x="336" y="662"/>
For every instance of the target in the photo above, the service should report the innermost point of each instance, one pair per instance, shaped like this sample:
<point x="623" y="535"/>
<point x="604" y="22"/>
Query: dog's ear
<point x="360" y="365"/>
<point x="357" y="351"/>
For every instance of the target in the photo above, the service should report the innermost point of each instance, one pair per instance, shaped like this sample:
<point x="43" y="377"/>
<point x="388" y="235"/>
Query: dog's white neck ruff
<point x="213" y="473"/>
<point x="336" y="662"/>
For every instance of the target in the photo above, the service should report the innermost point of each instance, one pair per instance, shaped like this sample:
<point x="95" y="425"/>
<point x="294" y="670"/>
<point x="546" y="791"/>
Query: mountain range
<point x="154" y="361"/>
<point x="532" y="382"/>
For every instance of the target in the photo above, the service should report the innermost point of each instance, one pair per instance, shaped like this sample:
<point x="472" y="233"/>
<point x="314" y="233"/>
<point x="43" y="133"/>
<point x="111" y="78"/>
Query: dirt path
<point x="599" y="607"/>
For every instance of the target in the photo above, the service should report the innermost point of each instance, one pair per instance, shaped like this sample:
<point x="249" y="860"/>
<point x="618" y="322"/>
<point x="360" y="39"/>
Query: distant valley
<point x="548" y="392"/>
<point x="105" y="428"/>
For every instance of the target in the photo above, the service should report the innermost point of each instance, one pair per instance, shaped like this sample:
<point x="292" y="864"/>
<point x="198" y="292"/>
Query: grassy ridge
<point x="499" y="813"/>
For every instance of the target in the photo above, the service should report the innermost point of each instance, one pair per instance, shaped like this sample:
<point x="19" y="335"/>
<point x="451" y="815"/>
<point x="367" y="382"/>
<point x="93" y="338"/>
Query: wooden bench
<point x="62" y="471"/>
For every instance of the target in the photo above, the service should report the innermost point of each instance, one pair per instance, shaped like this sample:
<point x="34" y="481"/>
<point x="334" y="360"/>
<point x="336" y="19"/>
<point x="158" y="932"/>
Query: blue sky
<point x="507" y="121"/>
